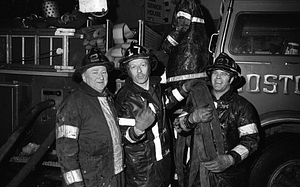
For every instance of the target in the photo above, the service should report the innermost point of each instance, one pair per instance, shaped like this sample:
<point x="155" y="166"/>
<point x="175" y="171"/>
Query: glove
<point x="219" y="164"/>
<point x="201" y="115"/>
<point x="180" y="124"/>
<point x="144" y="118"/>
<point x="188" y="85"/>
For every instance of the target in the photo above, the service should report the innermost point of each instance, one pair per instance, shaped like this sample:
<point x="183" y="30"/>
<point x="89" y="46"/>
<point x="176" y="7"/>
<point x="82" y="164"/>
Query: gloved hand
<point x="204" y="114"/>
<point x="180" y="124"/>
<point x="144" y="118"/>
<point x="219" y="164"/>
<point x="189" y="84"/>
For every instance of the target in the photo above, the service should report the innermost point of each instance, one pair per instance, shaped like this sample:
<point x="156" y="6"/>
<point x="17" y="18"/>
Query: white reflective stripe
<point x="167" y="100"/>
<point x="177" y="95"/>
<point x="197" y="20"/>
<point x="157" y="142"/>
<point x="248" y="129"/>
<point x="188" y="155"/>
<point x="127" y="122"/>
<point x="152" y="107"/>
<point x="242" y="151"/>
<point x="216" y="104"/>
<point x="172" y="40"/>
<point x="72" y="176"/>
<point x="128" y="137"/>
<point x="184" y="14"/>
<point x="67" y="131"/>
<point x="186" y="77"/>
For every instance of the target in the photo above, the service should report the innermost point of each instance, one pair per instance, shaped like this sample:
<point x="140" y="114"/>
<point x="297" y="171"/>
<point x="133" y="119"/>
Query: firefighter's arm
<point x="67" y="131"/>
<point x="248" y="132"/>
<point x="173" y="96"/>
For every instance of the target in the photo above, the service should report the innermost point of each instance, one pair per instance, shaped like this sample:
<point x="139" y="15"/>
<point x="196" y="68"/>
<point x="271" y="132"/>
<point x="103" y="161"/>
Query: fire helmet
<point x="135" y="51"/>
<point x="226" y="63"/>
<point x="93" y="58"/>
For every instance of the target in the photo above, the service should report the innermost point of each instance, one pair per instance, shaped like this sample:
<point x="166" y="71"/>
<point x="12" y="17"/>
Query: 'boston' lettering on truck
<point x="253" y="83"/>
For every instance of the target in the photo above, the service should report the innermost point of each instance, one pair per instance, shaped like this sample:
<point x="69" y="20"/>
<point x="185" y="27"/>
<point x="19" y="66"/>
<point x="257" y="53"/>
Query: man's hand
<point x="144" y="118"/>
<point x="180" y="124"/>
<point x="219" y="164"/>
<point x="204" y="115"/>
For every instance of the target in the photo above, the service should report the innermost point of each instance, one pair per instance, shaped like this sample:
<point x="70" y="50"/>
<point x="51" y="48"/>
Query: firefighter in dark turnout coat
<point x="219" y="149"/>
<point x="141" y="106"/>
<point x="88" y="139"/>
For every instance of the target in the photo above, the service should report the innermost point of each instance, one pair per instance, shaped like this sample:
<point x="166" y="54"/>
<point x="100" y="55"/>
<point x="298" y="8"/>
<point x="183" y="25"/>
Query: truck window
<point x="266" y="34"/>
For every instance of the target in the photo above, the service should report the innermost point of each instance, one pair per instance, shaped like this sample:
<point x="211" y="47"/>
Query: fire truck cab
<point x="263" y="37"/>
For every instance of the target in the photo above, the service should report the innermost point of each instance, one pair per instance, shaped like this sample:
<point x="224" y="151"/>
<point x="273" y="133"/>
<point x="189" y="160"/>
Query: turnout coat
<point x="187" y="43"/>
<point x="234" y="131"/>
<point x="86" y="152"/>
<point x="147" y="157"/>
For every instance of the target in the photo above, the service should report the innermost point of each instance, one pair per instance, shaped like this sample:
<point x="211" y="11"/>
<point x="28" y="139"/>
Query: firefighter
<point x="141" y="106"/>
<point x="220" y="148"/>
<point x="88" y="139"/>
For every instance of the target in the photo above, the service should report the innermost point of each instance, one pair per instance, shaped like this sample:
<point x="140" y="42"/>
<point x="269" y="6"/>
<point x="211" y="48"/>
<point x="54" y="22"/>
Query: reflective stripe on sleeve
<point x="172" y="41"/>
<point x="184" y="14"/>
<point x="198" y="20"/>
<point x="72" y="176"/>
<point x="177" y="95"/>
<point x="248" y="129"/>
<point x="67" y="131"/>
<point x="127" y="122"/>
<point x="242" y="151"/>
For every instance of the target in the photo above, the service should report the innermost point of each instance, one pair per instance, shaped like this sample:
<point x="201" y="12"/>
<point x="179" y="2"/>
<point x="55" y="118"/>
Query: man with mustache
<point x="141" y="105"/>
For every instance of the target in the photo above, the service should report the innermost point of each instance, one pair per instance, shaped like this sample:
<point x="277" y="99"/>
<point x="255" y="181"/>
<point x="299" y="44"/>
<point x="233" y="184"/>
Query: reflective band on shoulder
<point x="248" y="129"/>
<point x="186" y="77"/>
<point x="126" y="121"/>
<point x="184" y="14"/>
<point x="73" y="176"/>
<point x="198" y="20"/>
<point x="242" y="151"/>
<point x="177" y="95"/>
<point x="67" y="131"/>
<point x="172" y="41"/>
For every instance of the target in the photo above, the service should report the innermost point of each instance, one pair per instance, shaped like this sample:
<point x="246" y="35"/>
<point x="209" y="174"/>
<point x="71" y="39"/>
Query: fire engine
<point x="263" y="37"/>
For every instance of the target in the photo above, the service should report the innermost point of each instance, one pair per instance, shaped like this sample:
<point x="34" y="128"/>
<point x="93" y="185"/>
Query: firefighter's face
<point x="139" y="71"/>
<point x="221" y="81"/>
<point x="96" y="77"/>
